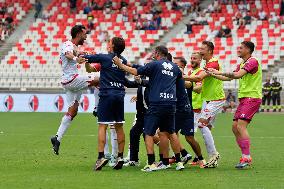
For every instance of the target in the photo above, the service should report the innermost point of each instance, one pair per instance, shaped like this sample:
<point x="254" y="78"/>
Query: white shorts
<point x="75" y="89"/>
<point x="211" y="109"/>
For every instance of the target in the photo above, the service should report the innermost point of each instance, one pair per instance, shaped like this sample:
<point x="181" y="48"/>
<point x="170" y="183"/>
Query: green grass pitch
<point x="27" y="161"/>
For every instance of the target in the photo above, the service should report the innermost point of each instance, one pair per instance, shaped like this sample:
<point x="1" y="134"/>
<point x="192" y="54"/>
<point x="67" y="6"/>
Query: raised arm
<point x="196" y="78"/>
<point x="124" y="67"/>
<point x="228" y="76"/>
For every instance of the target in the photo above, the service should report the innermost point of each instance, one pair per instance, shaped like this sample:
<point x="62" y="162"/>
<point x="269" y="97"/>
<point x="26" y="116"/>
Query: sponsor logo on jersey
<point x="8" y="103"/>
<point x="84" y="103"/>
<point x="59" y="103"/>
<point x="33" y="103"/>
<point x="167" y="66"/>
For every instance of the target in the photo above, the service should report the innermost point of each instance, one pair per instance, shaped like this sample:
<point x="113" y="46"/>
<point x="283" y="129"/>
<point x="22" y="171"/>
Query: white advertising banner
<point x="50" y="103"/>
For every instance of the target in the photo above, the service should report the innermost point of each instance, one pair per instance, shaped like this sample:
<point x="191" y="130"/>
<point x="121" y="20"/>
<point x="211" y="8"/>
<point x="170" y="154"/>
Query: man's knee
<point x="73" y="110"/>
<point x="202" y="123"/>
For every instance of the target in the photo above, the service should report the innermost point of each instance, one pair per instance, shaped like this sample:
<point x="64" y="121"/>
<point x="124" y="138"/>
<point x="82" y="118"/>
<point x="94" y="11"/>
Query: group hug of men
<point x="169" y="101"/>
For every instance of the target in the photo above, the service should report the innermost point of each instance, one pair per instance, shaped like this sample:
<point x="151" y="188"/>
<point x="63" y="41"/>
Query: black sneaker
<point x="55" y="144"/>
<point x="186" y="158"/>
<point x="100" y="163"/>
<point x="119" y="164"/>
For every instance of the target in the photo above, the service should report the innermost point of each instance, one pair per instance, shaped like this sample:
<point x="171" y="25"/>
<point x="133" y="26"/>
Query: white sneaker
<point x="132" y="164"/>
<point x="179" y="166"/>
<point x="113" y="161"/>
<point x="149" y="168"/>
<point x="161" y="166"/>
<point x="212" y="161"/>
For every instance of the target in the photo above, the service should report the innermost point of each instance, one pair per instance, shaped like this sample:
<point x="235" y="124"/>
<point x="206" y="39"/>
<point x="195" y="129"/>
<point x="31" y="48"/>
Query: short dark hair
<point x="162" y="50"/>
<point x="182" y="60"/>
<point x="118" y="45"/>
<point x="77" y="29"/>
<point x="209" y="44"/>
<point x="249" y="45"/>
<point x="170" y="57"/>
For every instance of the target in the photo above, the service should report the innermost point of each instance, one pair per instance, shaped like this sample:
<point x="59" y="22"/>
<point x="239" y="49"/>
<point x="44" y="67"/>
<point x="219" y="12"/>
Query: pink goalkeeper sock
<point x="244" y="144"/>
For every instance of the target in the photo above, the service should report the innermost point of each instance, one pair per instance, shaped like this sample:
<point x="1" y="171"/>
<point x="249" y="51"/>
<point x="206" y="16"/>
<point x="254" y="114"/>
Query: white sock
<point x="113" y="138"/>
<point x="97" y="98"/>
<point x="245" y="156"/>
<point x="209" y="141"/>
<point x="106" y="149"/>
<point x="65" y="123"/>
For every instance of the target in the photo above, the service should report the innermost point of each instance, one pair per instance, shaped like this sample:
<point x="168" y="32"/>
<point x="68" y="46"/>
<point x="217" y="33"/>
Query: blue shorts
<point x="111" y="107"/>
<point x="159" y="116"/>
<point x="184" y="120"/>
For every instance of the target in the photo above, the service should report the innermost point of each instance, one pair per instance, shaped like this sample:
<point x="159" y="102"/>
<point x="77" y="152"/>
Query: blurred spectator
<point x="123" y="4"/>
<point x="38" y="9"/>
<point x="124" y="13"/>
<point x="243" y="6"/>
<point x="273" y="19"/>
<point x="230" y="102"/>
<point x="262" y="15"/>
<point x="156" y="8"/>
<point x="201" y="19"/>
<point x="247" y="18"/>
<point x="175" y="5"/>
<point x="210" y="8"/>
<point x="88" y="8"/>
<point x="9" y="23"/>
<point x="45" y="15"/>
<point x="158" y="21"/>
<point x="225" y="31"/>
<point x="90" y="19"/>
<point x="282" y="8"/>
<point x="103" y="36"/>
<point x="254" y="13"/>
<point x="95" y="6"/>
<point x="212" y="35"/>
<point x="3" y="9"/>
<point x="108" y="6"/>
<point x="238" y="17"/>
<point x="216" y="6"/>
<point x="189" y="27"/>
<point x="73" y="5"/>
<point x="143" y="2"/>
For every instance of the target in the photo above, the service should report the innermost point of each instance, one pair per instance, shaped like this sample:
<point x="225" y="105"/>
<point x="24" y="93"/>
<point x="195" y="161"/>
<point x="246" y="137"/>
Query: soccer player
<point x="184" y="118"/>
<point x="111" y="103"/>
<point x="162" y="103"/>
<point x="195" y="61"/>
<point x="73" y="83"/>
<point x="250" y="93"/>
<point x="213" y="93"/>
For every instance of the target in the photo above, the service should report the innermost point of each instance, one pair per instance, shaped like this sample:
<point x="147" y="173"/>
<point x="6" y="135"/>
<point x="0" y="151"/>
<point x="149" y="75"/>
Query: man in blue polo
<point x="111" y="103"/>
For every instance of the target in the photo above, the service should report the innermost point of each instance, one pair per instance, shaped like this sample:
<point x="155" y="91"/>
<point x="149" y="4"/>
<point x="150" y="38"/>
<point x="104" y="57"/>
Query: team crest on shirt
<point x="59" y="103"/>
<point x="167" y="66"/>
<point x="84" y="103"/>
<point x="8" y="103"/>
<point x="33" y="103"/>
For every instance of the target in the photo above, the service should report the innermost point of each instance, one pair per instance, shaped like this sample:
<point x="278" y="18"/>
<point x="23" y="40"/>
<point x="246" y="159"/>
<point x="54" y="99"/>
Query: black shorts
<point x="111" y="108"/>
<point x="184" y="122"/>
<point x="160" y="116"/>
